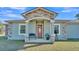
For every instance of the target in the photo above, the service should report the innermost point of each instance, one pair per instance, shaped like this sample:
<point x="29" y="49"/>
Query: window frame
<point x="20" y="29"/>
<point x="58" y="28"/>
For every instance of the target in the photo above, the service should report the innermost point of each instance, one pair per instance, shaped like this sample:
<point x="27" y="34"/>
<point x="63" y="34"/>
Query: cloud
<point x="10" y="13"/>
<point x="11" y="16"/>
<point x="4" y="12"/>
<point x="70" y="9"/>
<point x="18" y="8"/>
<point x="66" y="11"/>
<point x="14" y="16"/>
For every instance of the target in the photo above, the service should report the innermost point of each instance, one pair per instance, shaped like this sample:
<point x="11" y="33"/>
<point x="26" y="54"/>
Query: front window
<point x="22" y="29"/>
<point x="56" y="29"/>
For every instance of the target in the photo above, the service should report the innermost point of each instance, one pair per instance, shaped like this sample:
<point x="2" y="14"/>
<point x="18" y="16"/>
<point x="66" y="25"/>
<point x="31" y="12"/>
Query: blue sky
<point x="14" y="13"/>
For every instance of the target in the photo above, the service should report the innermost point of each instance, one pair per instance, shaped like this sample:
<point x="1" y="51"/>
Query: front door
<point x="39" y="29"/>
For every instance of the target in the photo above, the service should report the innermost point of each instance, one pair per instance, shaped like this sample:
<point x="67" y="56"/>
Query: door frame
<point x="42" y="23"/>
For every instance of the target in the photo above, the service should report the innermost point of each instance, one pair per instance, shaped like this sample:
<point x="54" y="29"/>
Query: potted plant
<point x="47" y="36"/>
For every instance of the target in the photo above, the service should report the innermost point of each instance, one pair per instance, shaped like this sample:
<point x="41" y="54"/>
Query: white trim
<point x="19" y="29"/>
<point x="59" y="28"/>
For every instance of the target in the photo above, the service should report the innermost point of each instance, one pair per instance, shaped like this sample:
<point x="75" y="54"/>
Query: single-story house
<point x="40" y="26"/>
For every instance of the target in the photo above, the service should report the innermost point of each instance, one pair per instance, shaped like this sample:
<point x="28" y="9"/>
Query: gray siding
<point x="13" y="32"/>
<point x="73" y="31"/>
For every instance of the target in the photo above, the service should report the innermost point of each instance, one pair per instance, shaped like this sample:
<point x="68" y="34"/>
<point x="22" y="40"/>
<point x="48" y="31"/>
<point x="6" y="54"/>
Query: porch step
<point x="32" y="43"/>
<point x="28" y="45"/>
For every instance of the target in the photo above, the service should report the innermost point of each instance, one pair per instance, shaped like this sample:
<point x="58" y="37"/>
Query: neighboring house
<point x="39" y="26"/>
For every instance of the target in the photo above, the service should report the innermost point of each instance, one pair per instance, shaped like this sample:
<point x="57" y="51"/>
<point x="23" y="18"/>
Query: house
<point x="39" y="26"/>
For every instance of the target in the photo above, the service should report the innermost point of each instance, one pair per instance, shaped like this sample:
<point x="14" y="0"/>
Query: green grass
<point x="57" y="46"/>
<point x="14" y="45"/>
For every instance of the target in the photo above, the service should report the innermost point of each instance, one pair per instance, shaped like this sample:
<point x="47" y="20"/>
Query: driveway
<point x="14" y="45"/>
<point x="10" y="45"/>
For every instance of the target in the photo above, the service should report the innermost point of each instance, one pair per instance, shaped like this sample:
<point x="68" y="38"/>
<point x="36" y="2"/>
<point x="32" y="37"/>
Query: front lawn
<point x="14" y="45"/>
<point x="57" y="46"/>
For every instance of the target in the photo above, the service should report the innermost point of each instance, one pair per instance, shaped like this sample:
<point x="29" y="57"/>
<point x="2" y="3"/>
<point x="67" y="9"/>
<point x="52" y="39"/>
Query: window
<point x="56" y="29"/>
<point x="22" y="29"/>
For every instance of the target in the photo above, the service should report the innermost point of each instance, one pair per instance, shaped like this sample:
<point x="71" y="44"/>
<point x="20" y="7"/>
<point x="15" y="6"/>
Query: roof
<point x="37" y="8"/>
<point x="61" y="21"/>
<point x="56" y="21"/>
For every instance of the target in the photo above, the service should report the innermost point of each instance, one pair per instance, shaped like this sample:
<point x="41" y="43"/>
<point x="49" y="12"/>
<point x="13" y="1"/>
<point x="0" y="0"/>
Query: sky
<point x="14" y="13"/>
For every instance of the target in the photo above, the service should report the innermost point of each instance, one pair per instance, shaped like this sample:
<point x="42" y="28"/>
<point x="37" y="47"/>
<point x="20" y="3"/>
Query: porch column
<point x="52" y="36"/>
<point x="27" y="32"/>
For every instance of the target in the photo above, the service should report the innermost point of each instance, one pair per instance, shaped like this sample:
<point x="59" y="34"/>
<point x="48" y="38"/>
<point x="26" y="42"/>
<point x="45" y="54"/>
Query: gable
<point x="39" y="12"/>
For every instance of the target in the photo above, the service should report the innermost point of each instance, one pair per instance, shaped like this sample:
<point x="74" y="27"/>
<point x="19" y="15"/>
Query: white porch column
<point x="52" y="36"/>
<point x="27" y="32"/>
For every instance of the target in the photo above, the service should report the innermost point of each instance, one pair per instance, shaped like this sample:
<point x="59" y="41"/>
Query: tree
<point x="77" y="16"/>
<point x="1" y="28"/>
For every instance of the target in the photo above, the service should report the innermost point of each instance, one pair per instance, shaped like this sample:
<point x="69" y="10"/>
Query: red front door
<point x="39" y="31"/>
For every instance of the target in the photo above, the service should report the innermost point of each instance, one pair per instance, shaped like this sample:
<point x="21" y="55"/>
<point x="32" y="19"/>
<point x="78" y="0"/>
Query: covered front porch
<point x="39" y="30"/>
